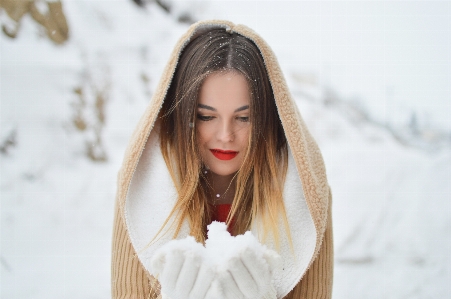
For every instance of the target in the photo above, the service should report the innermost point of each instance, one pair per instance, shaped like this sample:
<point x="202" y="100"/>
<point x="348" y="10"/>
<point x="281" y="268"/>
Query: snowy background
<point x="372" y="80"/>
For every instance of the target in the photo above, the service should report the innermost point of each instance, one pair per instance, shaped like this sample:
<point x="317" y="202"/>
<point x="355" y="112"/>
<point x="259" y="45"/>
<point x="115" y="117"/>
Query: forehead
<point x="223" y="89"/>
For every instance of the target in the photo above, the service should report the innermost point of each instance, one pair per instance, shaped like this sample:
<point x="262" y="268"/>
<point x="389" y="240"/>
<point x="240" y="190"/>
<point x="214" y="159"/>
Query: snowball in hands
<point x="227" y="267"/>
<point x="242" y="264"/>
<point x="181" y="269"/>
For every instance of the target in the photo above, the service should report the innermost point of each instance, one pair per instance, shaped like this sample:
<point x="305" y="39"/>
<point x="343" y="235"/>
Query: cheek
<point x="201" y="136"/>
<point x="205" y="132"/>
<point x="201" y="147"/>
<point x="244" y="137"/>
<point x="202" y="141"/>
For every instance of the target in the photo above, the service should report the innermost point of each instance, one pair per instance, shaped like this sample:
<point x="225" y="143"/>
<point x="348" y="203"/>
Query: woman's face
<point x="222" y="123"/>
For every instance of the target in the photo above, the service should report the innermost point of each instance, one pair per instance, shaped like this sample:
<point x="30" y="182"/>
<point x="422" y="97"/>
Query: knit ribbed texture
<point x="128" y="277"/>
<point x="317" y="281"/>
<point x="308" y="158"/>
<point x="131" y="280"/>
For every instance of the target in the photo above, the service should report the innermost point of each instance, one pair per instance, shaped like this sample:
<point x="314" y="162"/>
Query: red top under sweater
<point x="221" y="213"/>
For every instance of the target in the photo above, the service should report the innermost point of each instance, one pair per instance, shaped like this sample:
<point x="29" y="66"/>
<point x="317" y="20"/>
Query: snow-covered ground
<point x="392" y="200"/>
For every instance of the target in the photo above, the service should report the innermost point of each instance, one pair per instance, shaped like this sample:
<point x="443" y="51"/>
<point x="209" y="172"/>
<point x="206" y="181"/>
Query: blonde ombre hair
<point x="260" y="180"/>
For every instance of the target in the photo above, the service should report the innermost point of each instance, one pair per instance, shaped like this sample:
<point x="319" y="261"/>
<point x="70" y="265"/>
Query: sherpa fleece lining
<point x="304" y="150"/>
<point x="152" y="196"/>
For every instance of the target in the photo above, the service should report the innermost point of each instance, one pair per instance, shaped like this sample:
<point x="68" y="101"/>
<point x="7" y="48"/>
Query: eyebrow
<point x="214" y="109"/>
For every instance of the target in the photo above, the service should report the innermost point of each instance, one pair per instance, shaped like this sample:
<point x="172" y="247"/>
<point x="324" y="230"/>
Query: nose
<point x="225" y="132"/>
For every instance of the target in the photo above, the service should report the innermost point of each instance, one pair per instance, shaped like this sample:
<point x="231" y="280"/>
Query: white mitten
<point x="245" y="266"/>
<point x="228" y="268"/>
<point x="181" y="270"/>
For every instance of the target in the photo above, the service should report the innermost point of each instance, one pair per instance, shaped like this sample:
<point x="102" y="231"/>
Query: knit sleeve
<point x="317" y="281"/>
<point x="128" y="277"/>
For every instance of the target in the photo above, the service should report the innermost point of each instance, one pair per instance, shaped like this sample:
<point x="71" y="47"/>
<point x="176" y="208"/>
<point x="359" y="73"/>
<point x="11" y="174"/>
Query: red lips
<point x="224" y="155"/>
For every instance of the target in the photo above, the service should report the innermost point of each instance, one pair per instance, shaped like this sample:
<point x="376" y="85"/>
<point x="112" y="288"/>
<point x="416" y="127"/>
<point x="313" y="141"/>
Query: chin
<point x="224" y="171"/>
<point x="222" y="168"/>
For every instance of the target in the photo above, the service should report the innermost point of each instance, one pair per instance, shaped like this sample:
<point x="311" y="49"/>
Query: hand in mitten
<point x="245" y="266"/>
<point x="248" y="275"/>
<point x="181" y="270"/>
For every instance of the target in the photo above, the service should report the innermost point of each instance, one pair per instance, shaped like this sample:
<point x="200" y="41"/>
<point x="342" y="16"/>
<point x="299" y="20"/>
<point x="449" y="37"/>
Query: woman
<point x="223" y="140"/>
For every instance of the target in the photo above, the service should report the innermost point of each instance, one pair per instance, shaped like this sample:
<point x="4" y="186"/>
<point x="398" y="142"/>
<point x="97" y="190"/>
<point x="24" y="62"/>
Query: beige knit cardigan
<point x="131" y="279"/>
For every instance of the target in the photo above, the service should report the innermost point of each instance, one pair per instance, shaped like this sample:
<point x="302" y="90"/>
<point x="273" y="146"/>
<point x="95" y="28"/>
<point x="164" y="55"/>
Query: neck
<point x="224" y="186"/>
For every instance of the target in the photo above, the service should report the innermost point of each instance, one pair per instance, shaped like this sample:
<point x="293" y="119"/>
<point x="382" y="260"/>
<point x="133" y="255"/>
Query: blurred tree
<point x="182" y="17"/>
<point x="163" y="4"/>
<point x="48" y="14"/>
<point x="91" y="96"/>
<point x="7" y="141"/>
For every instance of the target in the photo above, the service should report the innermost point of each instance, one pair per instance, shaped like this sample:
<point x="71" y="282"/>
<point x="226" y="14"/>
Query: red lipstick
<point x="223" y="155"/>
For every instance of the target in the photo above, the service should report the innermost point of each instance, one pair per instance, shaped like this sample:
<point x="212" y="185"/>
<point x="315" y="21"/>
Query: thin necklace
<point x="219" y="196"/>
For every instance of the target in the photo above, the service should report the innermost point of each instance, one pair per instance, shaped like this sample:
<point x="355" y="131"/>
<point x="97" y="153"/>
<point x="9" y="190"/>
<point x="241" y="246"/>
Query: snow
<point x="391" y="56"/>
<point x="221" y="246"/>
<point x="392" y="208"/>
<point x="221" y="253"/>
<point x="219" y="249"/>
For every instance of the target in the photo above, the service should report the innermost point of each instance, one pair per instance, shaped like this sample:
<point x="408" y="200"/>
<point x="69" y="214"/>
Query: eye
<point x="243" y="119"/>
<point x="204" y="117"/>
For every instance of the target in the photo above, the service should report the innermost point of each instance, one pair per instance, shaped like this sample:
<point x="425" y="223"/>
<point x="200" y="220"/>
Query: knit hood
<point x="146" y="193"/>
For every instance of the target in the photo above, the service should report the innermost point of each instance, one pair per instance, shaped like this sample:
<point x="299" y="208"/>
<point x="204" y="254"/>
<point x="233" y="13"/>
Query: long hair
<point x="260" y="179"/>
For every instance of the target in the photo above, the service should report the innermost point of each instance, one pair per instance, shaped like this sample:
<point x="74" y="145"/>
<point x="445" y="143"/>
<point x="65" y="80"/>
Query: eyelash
<point x="243" y="119"/>
<point x="204" y="118"/>
<point x="208" y="118"/>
